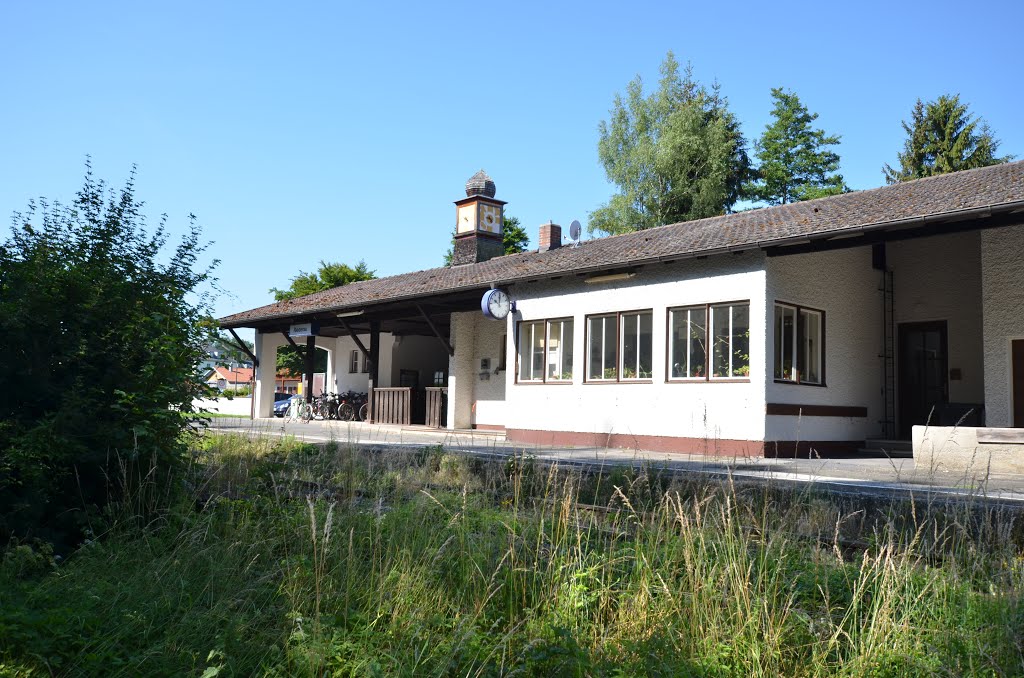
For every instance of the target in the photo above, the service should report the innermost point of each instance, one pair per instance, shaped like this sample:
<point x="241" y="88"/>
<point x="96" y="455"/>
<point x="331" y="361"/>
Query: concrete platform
<point x="869" y="475"/>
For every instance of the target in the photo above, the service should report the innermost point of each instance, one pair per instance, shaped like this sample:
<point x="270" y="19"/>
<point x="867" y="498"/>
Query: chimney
<point x="550" y="236"/>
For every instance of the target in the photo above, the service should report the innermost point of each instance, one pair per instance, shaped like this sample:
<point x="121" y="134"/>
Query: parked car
<point x="281" y="406"/>
<point x="279" y="396"/>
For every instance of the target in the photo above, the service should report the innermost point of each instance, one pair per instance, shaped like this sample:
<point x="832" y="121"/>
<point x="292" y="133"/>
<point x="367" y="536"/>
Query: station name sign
<point x="304" y="330"/>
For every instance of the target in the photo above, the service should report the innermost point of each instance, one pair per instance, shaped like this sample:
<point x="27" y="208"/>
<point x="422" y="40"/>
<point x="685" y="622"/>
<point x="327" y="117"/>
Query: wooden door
<point x="1017" y="381"/>
<point x="923" y="381"/>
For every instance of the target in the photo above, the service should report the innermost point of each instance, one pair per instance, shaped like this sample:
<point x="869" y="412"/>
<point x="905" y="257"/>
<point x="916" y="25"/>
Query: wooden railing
<point x="437" y="406"/>
<point x="392" y="405"/>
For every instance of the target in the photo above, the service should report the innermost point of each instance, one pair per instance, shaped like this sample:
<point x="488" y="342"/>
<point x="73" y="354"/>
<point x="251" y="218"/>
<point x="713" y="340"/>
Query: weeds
<point x="291" y="559"/>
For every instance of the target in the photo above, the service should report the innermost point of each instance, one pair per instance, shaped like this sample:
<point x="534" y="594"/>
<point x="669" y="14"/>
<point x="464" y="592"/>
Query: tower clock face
<point x="490" y="219"/>
<point x="467" y="219"/>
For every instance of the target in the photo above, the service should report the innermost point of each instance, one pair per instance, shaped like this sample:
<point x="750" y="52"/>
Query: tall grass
<point x="289" y="559"/>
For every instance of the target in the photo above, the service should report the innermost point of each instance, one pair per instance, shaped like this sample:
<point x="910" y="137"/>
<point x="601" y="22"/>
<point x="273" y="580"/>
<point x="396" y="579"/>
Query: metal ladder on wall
<point x="888" y="357"/>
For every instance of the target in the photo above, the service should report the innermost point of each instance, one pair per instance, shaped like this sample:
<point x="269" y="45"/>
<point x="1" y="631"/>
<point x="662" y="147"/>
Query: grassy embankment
<point x="295" y="560"/>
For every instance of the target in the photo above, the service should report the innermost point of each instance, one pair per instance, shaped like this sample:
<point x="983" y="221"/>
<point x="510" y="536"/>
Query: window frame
<point x="708" y="378"/>
<point x="353" y="361"/>
<point x="545" y="324"/>
<point x="798" y="339"/>
<point x="619" y="379"/>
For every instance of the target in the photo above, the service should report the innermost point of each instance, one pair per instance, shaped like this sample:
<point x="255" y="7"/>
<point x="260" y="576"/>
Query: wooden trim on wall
<point x="792" y="410"/>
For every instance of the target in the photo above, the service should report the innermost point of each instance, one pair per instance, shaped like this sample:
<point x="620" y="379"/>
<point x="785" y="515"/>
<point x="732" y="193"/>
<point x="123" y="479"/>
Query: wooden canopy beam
<point x="240" y="345"/>
<point x="433" y="328"/>
<point x="291" y="341"/>
<point x="355" y="338"/>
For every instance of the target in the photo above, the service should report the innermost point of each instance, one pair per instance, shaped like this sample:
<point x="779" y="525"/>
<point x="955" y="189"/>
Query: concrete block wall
<point x="843" y="284"/>
<point x="1002" y="301"/>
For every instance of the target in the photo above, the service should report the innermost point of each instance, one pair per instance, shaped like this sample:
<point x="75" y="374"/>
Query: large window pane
<point x="811" y="347"/>
<point x="601" y="349"/>
<point x="559" y="364"/>
<point x="645" y="333"/>
<point x="630" y="345"/>
<point x="697" y="356"/>
<point x="785" y="342"/>
<point x="537" y="350"/>
<point x="636" y="345"/>
<point x="531" y="351"/>
<point x="741" y="340"/>
<point x="730" y="337"/>
<point x="720" y="322"/>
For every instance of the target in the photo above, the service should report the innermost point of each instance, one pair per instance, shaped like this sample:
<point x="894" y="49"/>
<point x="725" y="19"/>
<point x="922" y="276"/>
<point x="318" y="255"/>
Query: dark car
<point x="281" y="406"/>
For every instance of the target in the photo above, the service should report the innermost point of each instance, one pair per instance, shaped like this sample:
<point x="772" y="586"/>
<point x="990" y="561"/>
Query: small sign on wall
<point x="485" y="364"/>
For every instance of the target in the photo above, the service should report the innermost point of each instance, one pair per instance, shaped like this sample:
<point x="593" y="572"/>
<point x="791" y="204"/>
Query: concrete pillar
<point x="461" y="375"/>
<point x="266" y="351"/>
<point x="330" y="384"/>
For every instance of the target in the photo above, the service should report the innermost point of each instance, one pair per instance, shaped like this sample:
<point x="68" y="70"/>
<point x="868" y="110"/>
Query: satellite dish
<point x="574" y="232"/>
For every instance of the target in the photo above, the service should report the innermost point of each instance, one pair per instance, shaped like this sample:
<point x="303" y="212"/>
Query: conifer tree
<point x="796" y="161"/>
<point x="943" y="136"/>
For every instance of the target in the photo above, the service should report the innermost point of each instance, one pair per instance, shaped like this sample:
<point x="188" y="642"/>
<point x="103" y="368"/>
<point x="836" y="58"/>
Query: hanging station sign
<point x="304" y="330"/>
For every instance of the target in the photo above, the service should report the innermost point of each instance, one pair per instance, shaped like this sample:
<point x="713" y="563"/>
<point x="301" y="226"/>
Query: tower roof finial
<point x="480" y="184"/>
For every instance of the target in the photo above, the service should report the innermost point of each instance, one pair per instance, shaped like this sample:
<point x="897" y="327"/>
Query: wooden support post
<point x="310" y="364"/>
<point x="374" y="361"/>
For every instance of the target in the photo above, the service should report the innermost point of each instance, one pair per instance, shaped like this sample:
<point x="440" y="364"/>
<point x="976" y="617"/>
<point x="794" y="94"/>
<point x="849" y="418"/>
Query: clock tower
<point x="479" y="222"/>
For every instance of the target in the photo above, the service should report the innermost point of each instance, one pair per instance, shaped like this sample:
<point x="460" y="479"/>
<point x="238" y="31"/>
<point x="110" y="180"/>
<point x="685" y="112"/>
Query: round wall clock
<point x="496" y="304"/>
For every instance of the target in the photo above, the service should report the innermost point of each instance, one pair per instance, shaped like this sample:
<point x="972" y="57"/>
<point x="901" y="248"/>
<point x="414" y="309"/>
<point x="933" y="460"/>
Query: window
<point x="799" y="339"/>
<point x="545" y="350"/>
<point x="353" y="362"/>
<point x="730" y="341"/>
<point x="688" y="343"/>
<point x="619" y="346"/>
<point x="602" y="348"/>
<point x="366" y="364"/>
<point x="709" y="342"/>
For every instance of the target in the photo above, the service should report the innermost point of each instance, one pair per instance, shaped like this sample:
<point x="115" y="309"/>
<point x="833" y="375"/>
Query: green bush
<point x="102" y="324"/>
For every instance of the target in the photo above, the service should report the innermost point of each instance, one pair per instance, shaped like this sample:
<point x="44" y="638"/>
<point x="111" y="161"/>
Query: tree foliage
<point x="943" y="136"/>
<point x="102" y="329"/>
<point x="329" y="275"/>
<point x="795" y="159"/>
<point x="514" y="238"/>
<point x="675" y="155"/>
<point x="228" y="351"/>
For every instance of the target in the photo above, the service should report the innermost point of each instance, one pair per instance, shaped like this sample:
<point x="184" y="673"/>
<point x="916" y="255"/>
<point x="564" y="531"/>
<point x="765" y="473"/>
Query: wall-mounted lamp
<point x="348" y="314"/>
<point x="610" y="277"/>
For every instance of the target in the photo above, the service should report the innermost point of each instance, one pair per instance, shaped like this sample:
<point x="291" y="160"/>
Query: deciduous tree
<point x="676" y="154"/>
<point x="796" y="161"/>
<point x="944" y="136"/>
<point x="102" y="325"/>
<point x="329" y="275"/>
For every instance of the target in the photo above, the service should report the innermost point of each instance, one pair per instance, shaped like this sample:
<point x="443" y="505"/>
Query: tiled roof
<point x="999" y="186"/>
<point x="237" y="375"/>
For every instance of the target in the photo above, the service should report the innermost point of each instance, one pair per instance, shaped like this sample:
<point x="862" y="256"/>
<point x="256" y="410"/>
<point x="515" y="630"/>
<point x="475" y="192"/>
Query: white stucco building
<point x="810" y="325"/>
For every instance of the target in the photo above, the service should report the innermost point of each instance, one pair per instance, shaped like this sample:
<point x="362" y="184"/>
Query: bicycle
<point x="299" y="410"/>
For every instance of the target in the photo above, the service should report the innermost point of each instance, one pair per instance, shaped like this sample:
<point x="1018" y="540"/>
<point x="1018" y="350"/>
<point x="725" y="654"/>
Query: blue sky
<point x="340" y="131"/>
